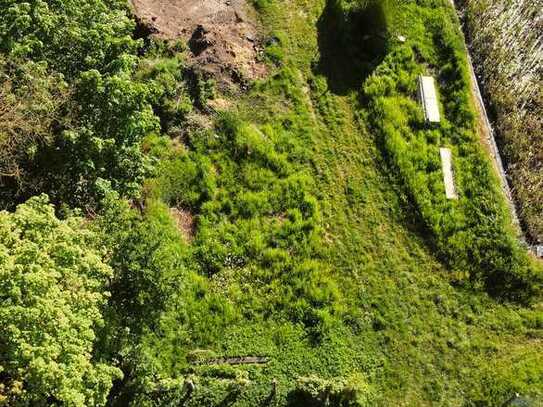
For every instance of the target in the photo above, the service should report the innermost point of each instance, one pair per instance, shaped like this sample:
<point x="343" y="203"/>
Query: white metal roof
<point x="428" y="98"/>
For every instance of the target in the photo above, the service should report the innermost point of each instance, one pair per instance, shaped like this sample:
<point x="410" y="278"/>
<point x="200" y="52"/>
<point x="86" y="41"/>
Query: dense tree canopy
<point x="71" y="35"/>
<point x="52" y="280"/>
<point x="74" y="113"/>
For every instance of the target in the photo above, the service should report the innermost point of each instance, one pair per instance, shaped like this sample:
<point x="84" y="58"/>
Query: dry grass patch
<point x="185" y="222"/>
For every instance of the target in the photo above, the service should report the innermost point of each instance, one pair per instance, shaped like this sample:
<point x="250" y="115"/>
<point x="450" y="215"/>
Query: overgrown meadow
<point x="314" y="232"/>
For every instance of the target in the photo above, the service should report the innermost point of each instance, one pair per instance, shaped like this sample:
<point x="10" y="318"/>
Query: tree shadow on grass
<point x="351" y="45"/>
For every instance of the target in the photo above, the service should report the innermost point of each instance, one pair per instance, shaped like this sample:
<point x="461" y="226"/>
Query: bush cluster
<point x="351" y="392"/>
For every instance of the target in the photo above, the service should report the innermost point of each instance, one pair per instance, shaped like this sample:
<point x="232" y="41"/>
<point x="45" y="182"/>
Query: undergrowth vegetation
<point x="306" y="226"/>
<point x="256" y="216"/>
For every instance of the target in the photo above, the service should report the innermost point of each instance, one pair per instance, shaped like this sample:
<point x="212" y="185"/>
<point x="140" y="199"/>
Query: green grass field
<point x="304" y="225"/>
<point x="314" y="248"/>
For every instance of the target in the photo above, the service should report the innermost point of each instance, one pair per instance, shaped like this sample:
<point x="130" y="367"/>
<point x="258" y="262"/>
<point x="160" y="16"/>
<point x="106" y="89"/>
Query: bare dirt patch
<point x="185" y="223"/>
<point x="222" y="34"/>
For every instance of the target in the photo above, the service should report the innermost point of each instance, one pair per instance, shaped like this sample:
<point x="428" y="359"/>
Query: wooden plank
<point x="448" y="176"/>
<point x="240" y="360"/>
<point x="428" y="98"/>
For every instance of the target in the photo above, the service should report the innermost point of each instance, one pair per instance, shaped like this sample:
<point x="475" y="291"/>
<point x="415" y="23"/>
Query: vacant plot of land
<point x="221" y="34"/>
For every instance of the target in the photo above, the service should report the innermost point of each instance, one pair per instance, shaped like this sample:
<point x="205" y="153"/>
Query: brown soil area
<point x="221" y="35"/>
<point x="185" y="223"/>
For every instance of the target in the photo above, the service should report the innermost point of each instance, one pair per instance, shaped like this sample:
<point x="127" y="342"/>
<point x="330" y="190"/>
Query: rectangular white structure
<point x="428" y="99"/>
<point x="448" y="176"/>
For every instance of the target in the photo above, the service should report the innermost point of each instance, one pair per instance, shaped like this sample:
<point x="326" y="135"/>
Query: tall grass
<point x="473" y="235"/>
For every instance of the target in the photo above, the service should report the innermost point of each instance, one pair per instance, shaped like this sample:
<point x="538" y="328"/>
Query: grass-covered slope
<point x="317" y="236"/>
<point x="472" y="234"/>
<point x="305" y="224"/>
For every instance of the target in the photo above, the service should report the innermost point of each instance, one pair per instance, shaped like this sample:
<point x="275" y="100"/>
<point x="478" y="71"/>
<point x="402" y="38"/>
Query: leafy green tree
<point x="110" y="116"/>
<point x="52" y="279"/>
<point x="71" y="35"/>
<point x="150" y="275"/>
<point x="83" y="51"/>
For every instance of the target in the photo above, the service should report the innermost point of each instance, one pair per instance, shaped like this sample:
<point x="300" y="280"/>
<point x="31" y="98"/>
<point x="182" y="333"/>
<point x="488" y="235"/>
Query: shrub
<point x="351" y="392"/>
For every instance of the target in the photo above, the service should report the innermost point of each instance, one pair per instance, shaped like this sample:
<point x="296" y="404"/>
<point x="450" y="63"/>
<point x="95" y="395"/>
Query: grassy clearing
<point x="307" y="250"/>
